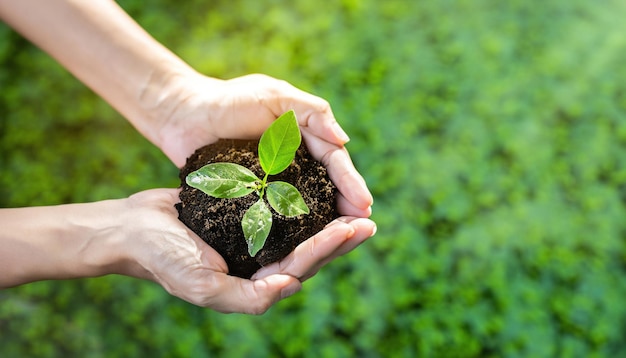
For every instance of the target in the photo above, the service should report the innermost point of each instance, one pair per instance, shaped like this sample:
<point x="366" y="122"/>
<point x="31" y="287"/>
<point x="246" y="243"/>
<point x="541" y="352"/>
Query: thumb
<point x="254" y="296"/>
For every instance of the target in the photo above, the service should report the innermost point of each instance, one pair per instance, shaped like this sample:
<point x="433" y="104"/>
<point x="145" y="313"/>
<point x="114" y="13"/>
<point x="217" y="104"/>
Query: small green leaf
<point x="279" y="143"/>
<point x="286" y="199"/>
<point x="256" y="225"/>
<point x="223" y="180"/>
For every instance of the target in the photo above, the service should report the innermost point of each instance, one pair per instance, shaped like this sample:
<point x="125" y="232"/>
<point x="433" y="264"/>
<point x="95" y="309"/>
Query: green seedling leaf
<point x="223" y="180"/>
<point x="286" y="199"/>
<point x="256" y="225"/>
<point x="279" y="143"/>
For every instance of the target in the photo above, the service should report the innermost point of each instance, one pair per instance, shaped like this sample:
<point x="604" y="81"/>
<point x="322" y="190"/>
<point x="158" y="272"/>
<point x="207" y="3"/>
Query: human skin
<point x="179" y="110"/>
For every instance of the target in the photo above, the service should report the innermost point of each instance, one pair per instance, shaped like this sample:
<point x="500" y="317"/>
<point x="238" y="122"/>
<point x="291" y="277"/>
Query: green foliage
<point x="277" y="149"/>
<point x="492" y="134"/>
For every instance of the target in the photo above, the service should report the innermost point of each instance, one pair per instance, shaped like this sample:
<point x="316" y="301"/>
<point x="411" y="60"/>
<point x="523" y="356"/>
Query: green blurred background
<point x="492" y="134"/>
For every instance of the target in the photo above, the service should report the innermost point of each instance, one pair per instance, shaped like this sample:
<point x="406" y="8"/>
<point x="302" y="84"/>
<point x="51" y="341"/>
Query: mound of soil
<point x="218" y="221"/>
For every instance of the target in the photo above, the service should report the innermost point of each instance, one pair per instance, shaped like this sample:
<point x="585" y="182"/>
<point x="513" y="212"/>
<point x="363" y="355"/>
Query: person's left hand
<point x="202" y="110"/>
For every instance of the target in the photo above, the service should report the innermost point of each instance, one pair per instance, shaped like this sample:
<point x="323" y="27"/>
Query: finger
<point x="268" y="98"/>
<point x="315" y="114"/>
<point x="346" y="208"/>
<point x="338" y="238"/>
<point x="235" y="294"/>
<point x="341" y="171"/>
<point x="364" y="229"/>
<point x="308" y="253"/>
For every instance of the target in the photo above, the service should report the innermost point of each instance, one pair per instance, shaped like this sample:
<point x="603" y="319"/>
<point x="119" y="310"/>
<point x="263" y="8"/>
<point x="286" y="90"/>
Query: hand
<point x="165" y="251"/>
<point x="202" y="110"/>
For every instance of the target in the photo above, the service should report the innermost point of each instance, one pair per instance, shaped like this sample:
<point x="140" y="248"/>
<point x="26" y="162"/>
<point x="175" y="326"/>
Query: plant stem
<point x="263" y="185"/>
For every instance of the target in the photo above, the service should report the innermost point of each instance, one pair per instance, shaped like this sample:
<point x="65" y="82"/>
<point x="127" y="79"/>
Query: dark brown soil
<point x="218" y="221"/>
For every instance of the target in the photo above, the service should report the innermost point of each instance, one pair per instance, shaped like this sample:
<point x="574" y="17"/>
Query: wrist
<point x="97" y="231"/>
<point x="180" y="108"/>
<point x="159" y="96"/>
<point x="109" y="242"/>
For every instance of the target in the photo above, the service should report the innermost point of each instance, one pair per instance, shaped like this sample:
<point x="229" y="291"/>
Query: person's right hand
<point x="160" y="248"/>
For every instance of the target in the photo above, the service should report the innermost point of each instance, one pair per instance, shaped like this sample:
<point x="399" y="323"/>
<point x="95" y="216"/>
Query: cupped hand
<point x="164" y="250"/>
<point x="206" y="109"/>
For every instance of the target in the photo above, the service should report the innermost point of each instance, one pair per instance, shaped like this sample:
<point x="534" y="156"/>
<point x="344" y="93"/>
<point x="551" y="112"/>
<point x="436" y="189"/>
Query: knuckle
<point x="323" y="105"/>
<point x="204" y="293"/>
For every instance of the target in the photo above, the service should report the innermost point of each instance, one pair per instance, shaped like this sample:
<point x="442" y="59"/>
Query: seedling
<point x="277" y="149"/>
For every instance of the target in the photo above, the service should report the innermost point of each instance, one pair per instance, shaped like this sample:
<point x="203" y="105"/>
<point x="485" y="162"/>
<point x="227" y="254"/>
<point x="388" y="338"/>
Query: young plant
<point x="277" y="149"/>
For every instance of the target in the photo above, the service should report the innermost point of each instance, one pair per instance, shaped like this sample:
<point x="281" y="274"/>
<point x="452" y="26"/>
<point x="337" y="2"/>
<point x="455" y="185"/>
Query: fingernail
<point x="340" y="133"/>
<point x="374" y="230"/>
